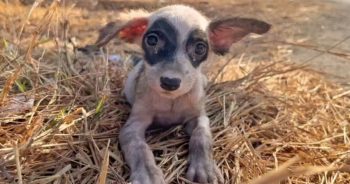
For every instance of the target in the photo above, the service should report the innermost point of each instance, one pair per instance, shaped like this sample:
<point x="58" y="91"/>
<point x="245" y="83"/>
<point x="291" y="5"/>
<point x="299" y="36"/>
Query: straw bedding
<point x="61" y="111"/>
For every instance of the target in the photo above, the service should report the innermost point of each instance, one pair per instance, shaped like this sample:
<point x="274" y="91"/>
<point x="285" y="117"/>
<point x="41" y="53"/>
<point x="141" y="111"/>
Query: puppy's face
<point x="175" y="44"/>
<point x="177" y="39"/>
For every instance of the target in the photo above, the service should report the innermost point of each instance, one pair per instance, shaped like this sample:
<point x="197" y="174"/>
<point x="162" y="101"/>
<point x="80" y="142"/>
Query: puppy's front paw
<point x="148" y="175"/>
<point x="204" y="171"/>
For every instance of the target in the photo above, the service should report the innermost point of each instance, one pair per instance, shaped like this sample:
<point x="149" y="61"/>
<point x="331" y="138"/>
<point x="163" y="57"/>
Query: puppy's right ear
<point x="130" y="32"/>
<point x="223" y="33"/>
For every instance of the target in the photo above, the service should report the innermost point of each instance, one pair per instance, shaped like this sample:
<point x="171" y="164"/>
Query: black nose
<point x="170" y="84"/>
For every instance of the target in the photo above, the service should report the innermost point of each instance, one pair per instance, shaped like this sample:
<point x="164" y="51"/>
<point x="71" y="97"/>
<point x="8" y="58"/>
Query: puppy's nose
<point x="170" y="84"/>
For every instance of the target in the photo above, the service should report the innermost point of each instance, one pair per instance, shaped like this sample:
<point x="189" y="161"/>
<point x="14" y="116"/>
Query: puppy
<point x="167" y="87"/>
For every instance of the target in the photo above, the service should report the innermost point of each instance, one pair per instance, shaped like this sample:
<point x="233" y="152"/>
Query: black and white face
<point x="176" y="40"/>
<point x="173" y="57"/>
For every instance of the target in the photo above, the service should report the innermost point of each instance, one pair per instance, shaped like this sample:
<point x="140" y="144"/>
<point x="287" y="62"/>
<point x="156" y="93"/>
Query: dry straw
<point x="61" y="113"/>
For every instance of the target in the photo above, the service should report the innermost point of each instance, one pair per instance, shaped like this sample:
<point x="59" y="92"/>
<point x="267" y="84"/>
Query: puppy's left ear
<point x="223" y="33"/>
<point x="130" y="32"/>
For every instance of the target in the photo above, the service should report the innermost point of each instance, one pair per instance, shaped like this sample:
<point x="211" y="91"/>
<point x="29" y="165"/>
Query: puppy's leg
<point x="137" y="153"/>
<point x="202" y="167"/>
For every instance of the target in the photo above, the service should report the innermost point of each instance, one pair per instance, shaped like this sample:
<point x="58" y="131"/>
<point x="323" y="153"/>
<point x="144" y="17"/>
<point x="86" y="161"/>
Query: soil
<point x="331" y="27"/>
<point x="312" y="26"/>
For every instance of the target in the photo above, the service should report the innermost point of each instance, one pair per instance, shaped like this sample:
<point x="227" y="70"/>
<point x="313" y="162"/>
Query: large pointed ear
<point x="130" y="32"/>
<point x="223" y="33"/>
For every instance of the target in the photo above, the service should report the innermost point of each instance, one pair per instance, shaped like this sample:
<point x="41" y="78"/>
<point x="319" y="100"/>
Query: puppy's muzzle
<point x="170" y="84"/>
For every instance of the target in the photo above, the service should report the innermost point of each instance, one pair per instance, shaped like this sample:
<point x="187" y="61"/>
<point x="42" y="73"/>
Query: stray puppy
<point x="167" y="87"/>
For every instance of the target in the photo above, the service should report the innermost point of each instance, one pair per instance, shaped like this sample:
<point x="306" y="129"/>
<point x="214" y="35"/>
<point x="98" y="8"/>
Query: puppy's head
<point x="177" y="39"/>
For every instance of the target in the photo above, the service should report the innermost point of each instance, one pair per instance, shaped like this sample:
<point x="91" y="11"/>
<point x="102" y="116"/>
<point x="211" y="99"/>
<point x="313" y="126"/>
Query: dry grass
<point x="60" y="113"/>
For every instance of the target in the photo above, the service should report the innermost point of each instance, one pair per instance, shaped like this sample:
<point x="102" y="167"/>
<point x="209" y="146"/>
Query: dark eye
<point x="152" y="39"/>
<point x="200" y="49"/>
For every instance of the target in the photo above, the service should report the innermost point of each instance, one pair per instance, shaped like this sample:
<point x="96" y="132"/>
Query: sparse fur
<point x="167" y="87"/>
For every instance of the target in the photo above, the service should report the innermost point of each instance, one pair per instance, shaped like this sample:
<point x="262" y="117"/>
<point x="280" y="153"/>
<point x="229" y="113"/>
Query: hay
<point x="271" y="121"/>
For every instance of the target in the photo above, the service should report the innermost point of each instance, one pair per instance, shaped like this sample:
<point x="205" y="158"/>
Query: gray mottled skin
<point x="187" y="108"/>
<point x="183" y="106"/>
<point x="152" y="104"/>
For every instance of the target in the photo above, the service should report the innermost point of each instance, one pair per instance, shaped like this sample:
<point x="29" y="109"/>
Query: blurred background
<point x="315" y="32"/>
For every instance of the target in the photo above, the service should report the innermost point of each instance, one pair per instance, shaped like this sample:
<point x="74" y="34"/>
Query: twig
<point x="18" y="165"/>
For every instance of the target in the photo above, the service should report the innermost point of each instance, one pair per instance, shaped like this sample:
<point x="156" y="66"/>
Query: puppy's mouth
<point x="168" y="94"/>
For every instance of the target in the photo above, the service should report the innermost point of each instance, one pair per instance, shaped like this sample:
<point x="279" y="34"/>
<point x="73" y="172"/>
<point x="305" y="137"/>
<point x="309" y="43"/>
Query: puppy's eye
<point x="152" y="39"/>
<point x="200" y="48"/>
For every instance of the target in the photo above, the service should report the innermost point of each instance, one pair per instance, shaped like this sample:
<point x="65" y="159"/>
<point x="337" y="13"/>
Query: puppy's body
<point x="167" y="87"/>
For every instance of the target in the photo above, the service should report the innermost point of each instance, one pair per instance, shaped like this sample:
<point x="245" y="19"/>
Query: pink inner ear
<point x="133" y="30"/>
<point x="223" y="37"/>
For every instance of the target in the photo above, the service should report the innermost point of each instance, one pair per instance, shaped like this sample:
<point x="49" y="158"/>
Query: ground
<point x="312" y="28"/>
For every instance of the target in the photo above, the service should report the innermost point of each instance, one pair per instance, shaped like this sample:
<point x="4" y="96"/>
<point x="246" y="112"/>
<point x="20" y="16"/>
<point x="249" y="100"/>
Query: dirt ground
<point x="329" y="30"/>
<point x="323" y="25"/>
<point x="312" y="26"/>
<point x="313" y="29"/>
